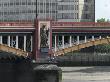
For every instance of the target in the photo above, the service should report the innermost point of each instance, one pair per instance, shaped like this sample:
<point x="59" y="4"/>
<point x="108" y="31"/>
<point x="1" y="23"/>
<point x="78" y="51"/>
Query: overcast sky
<point x="102" y="9"/>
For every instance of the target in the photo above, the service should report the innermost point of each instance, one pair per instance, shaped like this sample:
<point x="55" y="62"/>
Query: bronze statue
<point x="44" y="32"/>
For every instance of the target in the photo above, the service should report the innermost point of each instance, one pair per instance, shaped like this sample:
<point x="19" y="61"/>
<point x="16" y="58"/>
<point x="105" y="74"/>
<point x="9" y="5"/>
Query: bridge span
<point x="25" y="38"/>
<point x="82" y="44"/>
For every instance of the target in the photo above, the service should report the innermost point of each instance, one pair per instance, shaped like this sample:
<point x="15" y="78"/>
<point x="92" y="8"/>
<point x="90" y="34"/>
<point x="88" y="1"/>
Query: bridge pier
<point x="85" y="39"/>
<point x="55" y="43"/>
<point x="63" y="40"/>
<point x="92" y="38"/>
<point x="77" y="40"/>
<point x="24" y="42"/>
<point x="1" y="40"/>
<point x="8" y="41"/>
<point x="100" y="37"/>
<point x="17" y="42"/>
<point x="70" y="40"/>
<point x="42" y="40"/>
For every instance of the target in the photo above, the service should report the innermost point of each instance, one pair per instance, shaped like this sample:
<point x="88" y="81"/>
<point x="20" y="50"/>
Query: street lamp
<point x="36" y="10"/>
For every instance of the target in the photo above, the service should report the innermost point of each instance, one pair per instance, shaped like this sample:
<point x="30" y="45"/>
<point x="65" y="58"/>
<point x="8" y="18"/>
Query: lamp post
<point x="36" y="10"/>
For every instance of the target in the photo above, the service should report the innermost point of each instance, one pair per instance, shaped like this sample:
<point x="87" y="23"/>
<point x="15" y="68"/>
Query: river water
<point x="78" y="58"/>
<point x="86" y="74"/>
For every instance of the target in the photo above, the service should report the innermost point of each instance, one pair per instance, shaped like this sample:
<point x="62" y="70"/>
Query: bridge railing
<point x="95" y="24"/>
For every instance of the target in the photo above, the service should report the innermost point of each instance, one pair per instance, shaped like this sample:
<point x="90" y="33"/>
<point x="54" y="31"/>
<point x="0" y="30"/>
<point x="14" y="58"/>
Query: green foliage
<point x="103" y="48"/>
<point x="103" y="20"/>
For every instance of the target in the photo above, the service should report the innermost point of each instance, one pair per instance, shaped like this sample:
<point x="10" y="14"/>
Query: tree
<point x="103" y="20"/>
<point x="104" y="48"/>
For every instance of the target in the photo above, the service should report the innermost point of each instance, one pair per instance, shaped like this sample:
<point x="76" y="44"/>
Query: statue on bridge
<point x="44" y="33"/>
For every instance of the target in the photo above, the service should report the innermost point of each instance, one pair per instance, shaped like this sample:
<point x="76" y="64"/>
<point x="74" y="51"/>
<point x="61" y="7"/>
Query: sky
<point x="102" y="9"/>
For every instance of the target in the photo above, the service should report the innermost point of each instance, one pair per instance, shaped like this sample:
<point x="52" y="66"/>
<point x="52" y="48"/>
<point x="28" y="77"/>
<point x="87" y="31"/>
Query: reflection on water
<point x="78" y="58"/>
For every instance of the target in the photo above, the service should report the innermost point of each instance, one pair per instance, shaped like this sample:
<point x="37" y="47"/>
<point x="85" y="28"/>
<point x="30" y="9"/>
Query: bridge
<point x="24" y="38"/>
<point x="82" y="44"/>
<point x="14" y="37"/>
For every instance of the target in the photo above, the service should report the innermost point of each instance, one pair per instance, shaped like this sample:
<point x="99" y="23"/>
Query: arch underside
<point x="6" y="48"/>
<point x="83" y="45"/>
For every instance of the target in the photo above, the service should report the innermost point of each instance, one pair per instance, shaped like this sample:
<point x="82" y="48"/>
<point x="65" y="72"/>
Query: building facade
<point x="68" y="10"/>
<point x="86" y="10"/>
<point x="59" y="10"/>
<point x="76" y="10"/>
<point x="17" y="10"/>
<point x="47" y="9"/>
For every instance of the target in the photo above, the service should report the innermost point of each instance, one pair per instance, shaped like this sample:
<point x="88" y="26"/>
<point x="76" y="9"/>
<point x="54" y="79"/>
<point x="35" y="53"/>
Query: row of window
<point x="11" y="20"/>
<point x="17" y="12"/>
<point x="68" y="7"/>
<point x="52" y="16"/>
<point x="46" y="4"/>
<point x="17" y="3"/>
<point x="68" y="0"/>
<point x="47" y="11"/>
<point x="17" y="16"/>
<point x="46" y="1"/>
<point x="68" y="16"/>
<point x="47" y="8"/>
<point x="59" y="15"/>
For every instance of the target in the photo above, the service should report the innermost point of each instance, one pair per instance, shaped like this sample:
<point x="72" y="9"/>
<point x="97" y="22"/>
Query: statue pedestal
<point x="43" y="37"/>
<point x="44" y="50"/>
